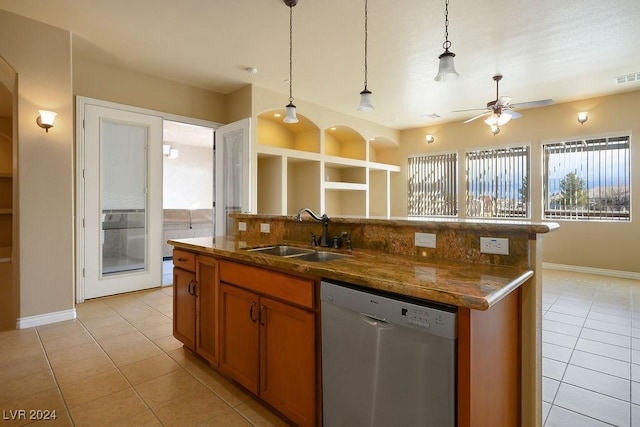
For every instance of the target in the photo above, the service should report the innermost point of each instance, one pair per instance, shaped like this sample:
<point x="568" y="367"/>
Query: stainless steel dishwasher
<point x="386" y="361"/>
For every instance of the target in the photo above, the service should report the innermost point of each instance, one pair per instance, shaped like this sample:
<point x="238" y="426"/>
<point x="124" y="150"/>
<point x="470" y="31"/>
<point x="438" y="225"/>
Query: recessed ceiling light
<point x="333" y="128"/>
<point x="277" y="115"/>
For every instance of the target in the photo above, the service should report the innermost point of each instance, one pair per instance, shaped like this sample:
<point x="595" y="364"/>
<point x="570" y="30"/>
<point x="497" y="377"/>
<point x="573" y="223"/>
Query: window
<point x="588" y="180"/>
<point x="498" y="182"/>
<point x="433" y="185"/>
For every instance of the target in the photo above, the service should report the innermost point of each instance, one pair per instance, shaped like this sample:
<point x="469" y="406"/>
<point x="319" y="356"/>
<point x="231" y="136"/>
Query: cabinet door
<point x="206" y="321"/>
<point x="184" y="307"/>
<point x="239" y="334"/>
<point x="288" y="360"/>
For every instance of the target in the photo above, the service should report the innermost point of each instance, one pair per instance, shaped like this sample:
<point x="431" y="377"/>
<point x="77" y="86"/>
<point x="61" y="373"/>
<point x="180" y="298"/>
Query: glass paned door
<point x="232" y="173"/>
<point x="124" y="197"/>
<point x="122" y="192"/>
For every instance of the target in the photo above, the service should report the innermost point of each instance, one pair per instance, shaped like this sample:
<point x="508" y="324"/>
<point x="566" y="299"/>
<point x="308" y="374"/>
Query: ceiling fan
<point x="501" y="110"/>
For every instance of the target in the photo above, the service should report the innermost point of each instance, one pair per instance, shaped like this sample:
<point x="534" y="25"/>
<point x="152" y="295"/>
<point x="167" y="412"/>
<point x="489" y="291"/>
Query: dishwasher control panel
<point x="419" y="315"/>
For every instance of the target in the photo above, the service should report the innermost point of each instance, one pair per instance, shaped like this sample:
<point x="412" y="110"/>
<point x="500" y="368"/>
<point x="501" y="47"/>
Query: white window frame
<point x="588" y="214"/>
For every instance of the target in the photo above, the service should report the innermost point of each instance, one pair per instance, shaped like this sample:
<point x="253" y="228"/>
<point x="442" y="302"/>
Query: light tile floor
<point x="591" y="350"/>
<point x="117" y="364"/>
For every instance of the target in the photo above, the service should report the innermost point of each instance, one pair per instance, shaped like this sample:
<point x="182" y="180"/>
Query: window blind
<point x="588" y="179"/>
<point x="498" y="182"/>
<point x="433" y="186"/>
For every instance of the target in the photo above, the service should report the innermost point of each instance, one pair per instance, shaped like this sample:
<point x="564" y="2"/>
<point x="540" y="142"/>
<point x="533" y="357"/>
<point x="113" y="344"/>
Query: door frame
<point x="81" y="101"/>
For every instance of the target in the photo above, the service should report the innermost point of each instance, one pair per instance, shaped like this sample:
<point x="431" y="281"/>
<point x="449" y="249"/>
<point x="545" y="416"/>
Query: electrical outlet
<point x="265" y="228"/>
<point x="425" y="240"/>
<point x="242" y="226"/>
<point x="494" y="245"/>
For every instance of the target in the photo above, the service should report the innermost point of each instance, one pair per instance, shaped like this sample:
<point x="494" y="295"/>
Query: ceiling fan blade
<point x="504" y="101"/>
<point x="513" y="114"/>
<point x="478" y="116"/>
<point x="538" y="103"/>
<point x="470" y="109"/>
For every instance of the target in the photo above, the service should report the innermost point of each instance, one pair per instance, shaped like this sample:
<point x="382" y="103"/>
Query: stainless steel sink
<point x="322" y="256"/>
<point x="298" y="253"/>
<point x="281" y="250"/>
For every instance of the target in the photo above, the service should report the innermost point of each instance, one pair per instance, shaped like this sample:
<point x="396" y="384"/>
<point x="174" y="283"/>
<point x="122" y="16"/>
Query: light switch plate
<point x="494" y="245"/>
<point x="242" y="226"/>
<point x="425" y="240"/>
<point x="265" y="227"/>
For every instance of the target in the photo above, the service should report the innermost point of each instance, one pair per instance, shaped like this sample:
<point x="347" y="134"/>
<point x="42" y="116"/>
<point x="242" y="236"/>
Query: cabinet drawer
<point x="288" y="288"/>
<point x="185" y="260"/>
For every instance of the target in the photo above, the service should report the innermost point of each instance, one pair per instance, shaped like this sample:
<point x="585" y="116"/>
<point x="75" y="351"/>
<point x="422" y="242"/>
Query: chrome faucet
<point x="324" y="237"/>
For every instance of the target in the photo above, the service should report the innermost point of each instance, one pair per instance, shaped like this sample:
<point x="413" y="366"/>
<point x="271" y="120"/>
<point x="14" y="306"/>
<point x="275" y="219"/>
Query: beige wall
<point x="109" y="83"/>
<point x="612" y="246"/>
<point x="41" y="56"/>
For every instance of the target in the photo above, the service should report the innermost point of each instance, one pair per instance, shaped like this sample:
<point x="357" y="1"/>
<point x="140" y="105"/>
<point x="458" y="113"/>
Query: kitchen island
<point x="498" y="296"/>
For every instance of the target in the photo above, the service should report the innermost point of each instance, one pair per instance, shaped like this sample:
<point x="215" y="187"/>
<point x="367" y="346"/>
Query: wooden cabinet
<point x="239" y="335"/>
<point x="195" y="303"/>
<point x="268" y="338"/>
<point x="184" y="307"/>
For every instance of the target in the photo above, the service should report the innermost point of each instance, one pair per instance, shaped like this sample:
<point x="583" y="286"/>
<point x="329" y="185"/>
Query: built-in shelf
<point x="345" y="186"/>
<point x="6" y="175"/>
<point x="6" y="211"/>
<point x="332" y="171"/>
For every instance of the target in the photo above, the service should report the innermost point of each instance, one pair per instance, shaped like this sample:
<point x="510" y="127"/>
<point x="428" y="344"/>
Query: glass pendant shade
<point x="290" y="116"/>
<point x="365" y="101"/>
<point x="446" y="71"/>
<point x="495" y="129"/>
<point x="498" y="119"/>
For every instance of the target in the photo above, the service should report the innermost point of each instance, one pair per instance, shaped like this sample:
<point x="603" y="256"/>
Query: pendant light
<point x="446" y="70"/>
<point x="365" y="95"/>
<point x="290" y="116"/>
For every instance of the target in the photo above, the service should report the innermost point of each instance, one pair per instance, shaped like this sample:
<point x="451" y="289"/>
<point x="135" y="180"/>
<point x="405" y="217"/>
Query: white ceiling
<point x="564" y="50"/>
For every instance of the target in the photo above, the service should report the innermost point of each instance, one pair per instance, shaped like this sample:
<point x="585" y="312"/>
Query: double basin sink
<point x="299" y="253"/>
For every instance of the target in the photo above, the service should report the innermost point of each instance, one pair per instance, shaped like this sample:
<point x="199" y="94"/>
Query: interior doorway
<point x="9" y="288"/>
<point x="188" y="186"/>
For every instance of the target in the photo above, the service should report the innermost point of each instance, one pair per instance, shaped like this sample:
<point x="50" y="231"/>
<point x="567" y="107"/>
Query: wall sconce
<point x="45" y="119"/>
<point x="171" y="153"/>
<point x="583" y="116"/>
<point x="430" y="139"/>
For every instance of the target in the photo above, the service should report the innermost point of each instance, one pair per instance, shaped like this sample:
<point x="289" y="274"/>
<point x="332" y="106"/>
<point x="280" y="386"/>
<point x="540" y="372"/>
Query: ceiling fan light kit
<point x="446" y="68"/>
<point x="500" y="111"/>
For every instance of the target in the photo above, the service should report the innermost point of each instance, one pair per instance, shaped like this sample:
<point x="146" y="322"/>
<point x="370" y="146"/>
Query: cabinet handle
<point x="263" y="309"/>
<point x="192" y="288"/>
<point x="253" y="304"/>
<point x="182" y="259"/>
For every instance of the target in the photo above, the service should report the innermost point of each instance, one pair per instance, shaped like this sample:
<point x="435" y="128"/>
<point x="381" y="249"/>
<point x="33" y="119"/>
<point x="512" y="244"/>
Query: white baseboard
<point x="590" y="270"/>
<point x="45" y="319"/>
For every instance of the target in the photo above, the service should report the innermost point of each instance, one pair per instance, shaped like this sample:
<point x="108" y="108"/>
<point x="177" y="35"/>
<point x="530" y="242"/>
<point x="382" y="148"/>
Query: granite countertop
<point x="474" y="286"/>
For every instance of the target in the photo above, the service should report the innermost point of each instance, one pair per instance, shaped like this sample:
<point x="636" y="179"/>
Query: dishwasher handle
<point x="376" y="321"/>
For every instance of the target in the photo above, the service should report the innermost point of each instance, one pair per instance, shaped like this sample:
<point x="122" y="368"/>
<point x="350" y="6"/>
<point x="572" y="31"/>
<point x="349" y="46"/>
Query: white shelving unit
<point x="327" y="171"/>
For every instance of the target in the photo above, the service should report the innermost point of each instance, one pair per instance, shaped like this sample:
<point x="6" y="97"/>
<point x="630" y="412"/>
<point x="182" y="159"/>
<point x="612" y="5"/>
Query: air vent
<point x="628" y="78"/>
<point x="433" y="116"/>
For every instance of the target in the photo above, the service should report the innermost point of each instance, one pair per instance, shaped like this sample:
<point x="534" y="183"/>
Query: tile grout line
<point x="164" y="352"/>
<point x="55" y="378"/>
<point x="116" y="366"/>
